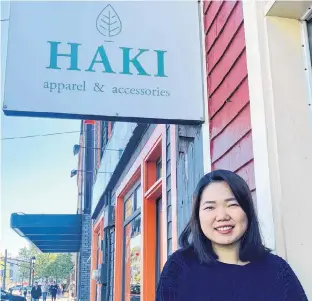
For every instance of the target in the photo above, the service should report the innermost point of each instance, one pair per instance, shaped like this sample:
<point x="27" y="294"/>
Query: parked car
<point x="15" y="290"/>
<point x="7" y="296"/>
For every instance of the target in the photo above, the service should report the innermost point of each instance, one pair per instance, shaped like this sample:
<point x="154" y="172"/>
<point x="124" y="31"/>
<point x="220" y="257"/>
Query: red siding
<point x="229" y="110"/>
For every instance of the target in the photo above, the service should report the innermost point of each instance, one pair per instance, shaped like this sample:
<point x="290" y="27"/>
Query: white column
<point x="282" y="135"/>
<point x="259" y="88"/>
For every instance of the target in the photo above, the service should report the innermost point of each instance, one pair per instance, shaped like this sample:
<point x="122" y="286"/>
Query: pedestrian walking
<point x="59" y="292"/>
<point x="36" y="292"/>
<point x="222" y="256"/>
<point x="45" y="289"/>
<point x="53" y="290"/>
<point x="25" y="292"/>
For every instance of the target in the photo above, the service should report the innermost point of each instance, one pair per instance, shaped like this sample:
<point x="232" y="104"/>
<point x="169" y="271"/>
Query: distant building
<point x="14" y="271"/>
<point x="13" y="275"/>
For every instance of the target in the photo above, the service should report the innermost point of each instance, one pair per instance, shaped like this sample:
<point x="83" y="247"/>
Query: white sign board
<point x="119" y="60"/>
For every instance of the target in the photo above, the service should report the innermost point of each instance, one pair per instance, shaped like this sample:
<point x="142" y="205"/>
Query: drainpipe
<point x="88" y="166"/>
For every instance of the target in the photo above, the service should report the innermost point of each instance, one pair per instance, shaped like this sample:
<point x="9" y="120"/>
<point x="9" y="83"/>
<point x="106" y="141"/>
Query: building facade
<point x="258" y="124"/>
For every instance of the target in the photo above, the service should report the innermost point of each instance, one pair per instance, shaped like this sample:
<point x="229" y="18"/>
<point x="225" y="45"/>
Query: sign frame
<point x="56" y="115"/>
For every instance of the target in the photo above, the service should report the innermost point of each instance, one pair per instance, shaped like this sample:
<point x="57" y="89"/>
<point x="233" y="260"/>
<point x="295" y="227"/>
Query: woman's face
<point x="222" y="220"/>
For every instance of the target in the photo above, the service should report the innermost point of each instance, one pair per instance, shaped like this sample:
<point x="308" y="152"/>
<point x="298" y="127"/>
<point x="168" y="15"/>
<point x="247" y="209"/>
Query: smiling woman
<point x="222" y="255"/>
<point x="222" y="219"/>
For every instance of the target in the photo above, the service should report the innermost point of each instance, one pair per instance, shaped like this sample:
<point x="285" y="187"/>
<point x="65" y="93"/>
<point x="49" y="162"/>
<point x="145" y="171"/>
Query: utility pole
<point x="30" y="272"/>
<point x="33" y="273"/>
<point x="4" y="271"/>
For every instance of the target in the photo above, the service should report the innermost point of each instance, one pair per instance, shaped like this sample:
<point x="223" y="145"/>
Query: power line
<point x="39" y="135"/>
<point x="3" y="20"/>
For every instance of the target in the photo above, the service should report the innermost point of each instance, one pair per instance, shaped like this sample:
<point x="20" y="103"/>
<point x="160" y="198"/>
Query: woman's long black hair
<point x="251" y="247"/>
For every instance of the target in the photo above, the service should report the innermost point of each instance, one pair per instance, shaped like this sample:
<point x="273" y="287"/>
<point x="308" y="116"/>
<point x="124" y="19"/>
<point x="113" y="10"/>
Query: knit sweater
<point x="185" y="278"/>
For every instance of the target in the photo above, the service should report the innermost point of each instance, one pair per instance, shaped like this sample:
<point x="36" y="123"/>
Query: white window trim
<point x="286" y="130"/>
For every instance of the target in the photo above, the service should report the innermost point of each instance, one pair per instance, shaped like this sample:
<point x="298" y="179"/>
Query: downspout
<point x="88" y="171"/>
<point x="88" y="167"/>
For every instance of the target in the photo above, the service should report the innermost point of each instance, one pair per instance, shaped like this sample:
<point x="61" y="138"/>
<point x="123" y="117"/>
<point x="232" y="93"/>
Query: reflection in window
<point x="99" y="242"/>
<point x="138" y="195"/>
<point x="129" y="207"/>
<point x="309" y="23"/>
<point x="158" y="169"/>
<point x="133" y="260"/>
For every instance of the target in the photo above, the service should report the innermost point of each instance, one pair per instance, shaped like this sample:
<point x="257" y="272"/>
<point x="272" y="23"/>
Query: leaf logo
<point x="108" y="22"/>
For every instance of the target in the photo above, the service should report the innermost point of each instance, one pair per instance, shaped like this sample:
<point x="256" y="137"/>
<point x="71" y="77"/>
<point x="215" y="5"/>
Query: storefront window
<point x="309" y="23"/>
<point x="132" y="265"/>
<point x="132" y="246"/>
<point x="129" y="206"/>
<point x="99" y="242"/>
<point x="158" y="169"/>
<point x="138" y="195"/>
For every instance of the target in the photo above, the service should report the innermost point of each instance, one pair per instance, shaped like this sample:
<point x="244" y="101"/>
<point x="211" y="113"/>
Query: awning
<point x="50" y="233"/>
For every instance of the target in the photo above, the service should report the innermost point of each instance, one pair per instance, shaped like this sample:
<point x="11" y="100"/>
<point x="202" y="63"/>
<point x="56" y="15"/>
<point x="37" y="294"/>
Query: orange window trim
<point x="119" y="217"/>
<point x="146" y="170"/>
<point x="131" y="182"/>
<point x="118" y="249"/>
<point x="93" y="265"/>
<point x="149" y="239"/>
<point x="155" y="191"/>
<point x="150" y="161"/>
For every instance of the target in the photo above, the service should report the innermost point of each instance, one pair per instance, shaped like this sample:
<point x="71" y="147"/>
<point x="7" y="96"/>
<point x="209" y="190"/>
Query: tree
<point x="61" y="267"/>
<point x="48" y="265"/>
<point x="25" y="254"/>
<point x="43" y="261"/>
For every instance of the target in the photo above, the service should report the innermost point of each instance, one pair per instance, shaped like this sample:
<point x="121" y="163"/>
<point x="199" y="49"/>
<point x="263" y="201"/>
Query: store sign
<point x="120" y="60"/>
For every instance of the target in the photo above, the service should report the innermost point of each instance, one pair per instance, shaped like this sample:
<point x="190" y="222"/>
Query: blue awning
<point x="50" y="233"/>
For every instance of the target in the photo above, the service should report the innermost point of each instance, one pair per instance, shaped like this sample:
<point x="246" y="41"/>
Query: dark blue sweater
<point x="184" y="278"/>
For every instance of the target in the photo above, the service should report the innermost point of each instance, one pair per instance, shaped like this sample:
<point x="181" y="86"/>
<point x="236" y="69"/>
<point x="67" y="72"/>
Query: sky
<point x="35" y="172"/>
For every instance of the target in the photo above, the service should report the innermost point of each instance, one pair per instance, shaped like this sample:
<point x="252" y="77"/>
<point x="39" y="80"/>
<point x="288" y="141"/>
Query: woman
<point x="222" y="256"/>
<point x="45" y="289"/>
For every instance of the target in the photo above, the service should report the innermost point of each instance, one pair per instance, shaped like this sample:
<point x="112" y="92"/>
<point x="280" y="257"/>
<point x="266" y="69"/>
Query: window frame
<point x="142" y="168"/>
<point x="132" y="192"/>
<point x="136" y="213"/>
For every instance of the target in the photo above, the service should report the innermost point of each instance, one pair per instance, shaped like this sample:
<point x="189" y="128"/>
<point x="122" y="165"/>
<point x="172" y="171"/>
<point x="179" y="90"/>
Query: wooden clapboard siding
<point x="228" y="95"/>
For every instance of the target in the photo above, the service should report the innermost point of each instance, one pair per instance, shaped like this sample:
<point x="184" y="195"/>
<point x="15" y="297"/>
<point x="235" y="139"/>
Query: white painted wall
<point x="282" y="135"/>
